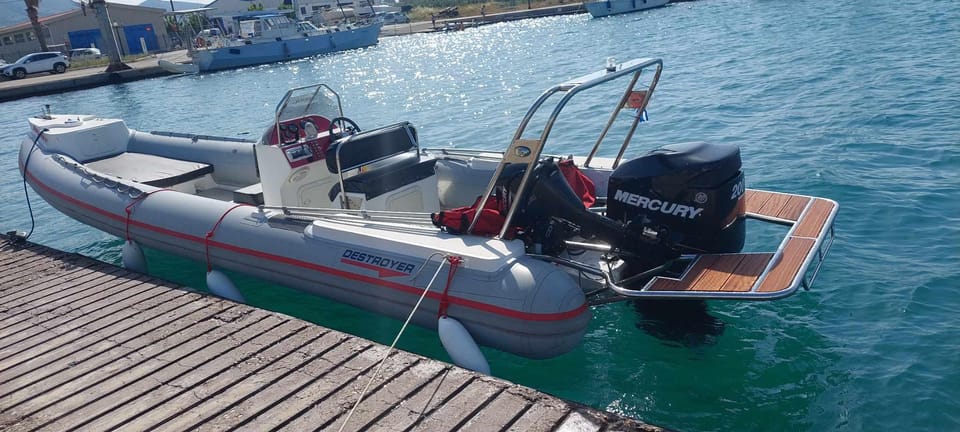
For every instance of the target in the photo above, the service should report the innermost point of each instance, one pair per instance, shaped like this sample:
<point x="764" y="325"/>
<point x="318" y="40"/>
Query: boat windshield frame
<point x="529" y="151"/>
<point x="301" y="101"/>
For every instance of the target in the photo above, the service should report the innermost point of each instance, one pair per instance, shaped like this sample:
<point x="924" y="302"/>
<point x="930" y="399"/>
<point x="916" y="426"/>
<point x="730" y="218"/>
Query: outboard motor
<point x="688" y="197"/>
<point x="678" y="199"/>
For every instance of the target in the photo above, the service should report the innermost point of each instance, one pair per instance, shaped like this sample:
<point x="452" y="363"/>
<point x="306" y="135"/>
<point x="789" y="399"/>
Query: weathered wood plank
<point x="462" y="406"/>
<point x="379" y="402"/>
<point x="506" y="407"/>
<point x="88" y="346"/>
<point x="25" y="320"/>
<point x="71" y="328"/>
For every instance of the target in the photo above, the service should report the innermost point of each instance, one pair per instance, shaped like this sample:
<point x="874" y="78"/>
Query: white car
<point x="53" y="62"/>
<point x="394" y="18"/>
<point x="78" y="54"/>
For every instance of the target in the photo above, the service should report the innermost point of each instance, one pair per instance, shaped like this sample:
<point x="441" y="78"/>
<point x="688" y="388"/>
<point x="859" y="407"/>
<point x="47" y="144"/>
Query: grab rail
<point x="528" y="151"/>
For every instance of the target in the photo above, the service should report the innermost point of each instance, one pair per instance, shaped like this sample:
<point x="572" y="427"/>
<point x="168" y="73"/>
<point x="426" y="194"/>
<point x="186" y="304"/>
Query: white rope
<point x="394" y="344"/>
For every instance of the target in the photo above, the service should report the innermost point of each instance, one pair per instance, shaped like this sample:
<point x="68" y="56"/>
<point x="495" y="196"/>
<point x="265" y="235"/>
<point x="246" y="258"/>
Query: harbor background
<point x="853" y="101"/>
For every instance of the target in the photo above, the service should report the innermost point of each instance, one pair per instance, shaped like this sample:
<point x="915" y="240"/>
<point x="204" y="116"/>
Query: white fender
<point x="460" y="345"/>
<point x="133" y="258"/>
<point x="221" y="285"/>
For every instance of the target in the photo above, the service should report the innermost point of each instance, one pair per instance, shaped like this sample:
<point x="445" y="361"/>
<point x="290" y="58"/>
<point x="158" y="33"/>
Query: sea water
<point x="857" y="101"/>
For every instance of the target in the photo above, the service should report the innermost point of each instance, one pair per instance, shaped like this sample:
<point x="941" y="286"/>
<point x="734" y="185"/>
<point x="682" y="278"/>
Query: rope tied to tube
<point x="129" y="209"/>
<point x="455" y="262"/>
<point x="206" y="239"/>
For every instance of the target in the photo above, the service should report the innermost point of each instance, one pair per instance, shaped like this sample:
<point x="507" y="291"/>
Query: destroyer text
<point x="385" y="266"/>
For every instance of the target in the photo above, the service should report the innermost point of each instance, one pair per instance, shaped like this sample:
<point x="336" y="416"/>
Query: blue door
<point x="133" y="33"/>
<point x="86" y="38"/>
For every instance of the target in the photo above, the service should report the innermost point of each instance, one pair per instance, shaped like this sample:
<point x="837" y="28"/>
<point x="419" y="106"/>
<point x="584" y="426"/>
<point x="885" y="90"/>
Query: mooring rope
<point x="206" y="240"/>
<point x="26" y="193"/>
<point x="444" y="297"/>
<point x="142" y="196"/>
<point x="397" y="338"/>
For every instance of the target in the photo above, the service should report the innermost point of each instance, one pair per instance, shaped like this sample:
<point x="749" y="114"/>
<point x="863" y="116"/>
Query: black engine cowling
<point x="678" y="199"/>
<point x="690" y="194"/>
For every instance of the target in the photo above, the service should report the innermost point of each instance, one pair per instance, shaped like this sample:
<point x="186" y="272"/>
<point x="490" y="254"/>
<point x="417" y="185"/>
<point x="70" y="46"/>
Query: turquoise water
<point x="857" y="101"/>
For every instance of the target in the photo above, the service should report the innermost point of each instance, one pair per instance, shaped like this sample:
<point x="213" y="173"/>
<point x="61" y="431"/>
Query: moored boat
<point x="516" y="245"/>
<point x="267" y="38"/>
<point x="602" y="8"/>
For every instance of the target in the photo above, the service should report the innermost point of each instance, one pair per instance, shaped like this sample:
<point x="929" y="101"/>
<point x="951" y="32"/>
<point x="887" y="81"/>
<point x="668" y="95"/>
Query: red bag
<point x="457" y="220"/>
<point x="579" y="182"/>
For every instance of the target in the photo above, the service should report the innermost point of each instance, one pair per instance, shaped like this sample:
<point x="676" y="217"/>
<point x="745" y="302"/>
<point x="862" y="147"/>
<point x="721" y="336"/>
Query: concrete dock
<point x="86" y="345"/>
<point x="76" y="79"/>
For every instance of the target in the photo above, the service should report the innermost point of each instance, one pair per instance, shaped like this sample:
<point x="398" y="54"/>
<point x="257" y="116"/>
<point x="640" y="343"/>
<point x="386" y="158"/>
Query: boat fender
<point x="460" y="345"/>
<point x="221" y="285"/>
<point x="133" y="258"/>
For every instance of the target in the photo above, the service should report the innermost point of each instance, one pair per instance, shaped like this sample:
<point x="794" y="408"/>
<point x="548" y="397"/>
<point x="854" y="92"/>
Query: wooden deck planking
<point x="792" y="210"/>
<point x="740" y="272"/>
<point x="500" y="412"/>
<point x="774" y="203"/>
<point x="162" y="405"/>
<point x="88" y="346"/>
<point x="747" y="272"/>
<point x="399" y="389"/>
<point x="814" y="221"/>
<point x="475" y="396"/>
<point x="74" y="331"/>
<point x="779" y="205"/>
<point x="689" y="279"/>
<point x="76" y="361"/>
<point x="259" y="388"/>
<point x="157" y="376"/>
<point x="783" y="272"/>
<point x="756" y="199"/>
<point x="715" y="277"/>
<point x="541" y="416"/>
<point x="97" y="381"/>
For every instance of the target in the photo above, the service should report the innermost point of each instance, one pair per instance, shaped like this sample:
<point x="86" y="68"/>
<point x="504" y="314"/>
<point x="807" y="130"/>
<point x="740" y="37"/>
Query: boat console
<point x="389" y="172"/>
<point x="291" y="152"/>
<point x="312" y="154"/>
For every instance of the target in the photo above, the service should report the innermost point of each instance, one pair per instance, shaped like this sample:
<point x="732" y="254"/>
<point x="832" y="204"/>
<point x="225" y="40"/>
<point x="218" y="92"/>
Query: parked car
<point x="394" y="18"/>
<point x="78" y="54"/>
<point x="53" y="62"/>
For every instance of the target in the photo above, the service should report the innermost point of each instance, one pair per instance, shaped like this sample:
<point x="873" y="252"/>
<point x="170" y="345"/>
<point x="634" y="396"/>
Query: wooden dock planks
<point x="87" y="346"/>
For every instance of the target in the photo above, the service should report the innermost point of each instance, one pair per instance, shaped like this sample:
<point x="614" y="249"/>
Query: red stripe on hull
<point x="472" y="304"/>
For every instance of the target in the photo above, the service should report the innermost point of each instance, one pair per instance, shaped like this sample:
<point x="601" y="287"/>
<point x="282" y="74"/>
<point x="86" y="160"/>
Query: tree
<point x="33" y="7"/>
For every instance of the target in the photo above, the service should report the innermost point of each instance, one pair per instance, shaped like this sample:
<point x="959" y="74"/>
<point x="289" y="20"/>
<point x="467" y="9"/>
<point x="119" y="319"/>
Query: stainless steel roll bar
<point x="528" y="151"/>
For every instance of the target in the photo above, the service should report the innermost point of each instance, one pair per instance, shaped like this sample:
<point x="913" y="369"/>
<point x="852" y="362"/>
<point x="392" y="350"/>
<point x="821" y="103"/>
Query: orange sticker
<point x="635" y="100"/>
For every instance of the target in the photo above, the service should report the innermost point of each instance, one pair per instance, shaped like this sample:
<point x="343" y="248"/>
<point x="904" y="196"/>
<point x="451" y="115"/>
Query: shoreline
<point x="79" y="79"/>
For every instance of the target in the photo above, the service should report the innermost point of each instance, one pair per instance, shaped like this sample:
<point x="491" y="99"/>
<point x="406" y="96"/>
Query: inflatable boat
<point x="511" y="248"/>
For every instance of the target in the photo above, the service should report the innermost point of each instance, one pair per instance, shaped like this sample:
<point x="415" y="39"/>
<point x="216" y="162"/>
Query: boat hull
<point x="513" y="303"/>
<point x="288" y="49"/>
<point x="616" y="7"/>
<point x="178" y="68"/>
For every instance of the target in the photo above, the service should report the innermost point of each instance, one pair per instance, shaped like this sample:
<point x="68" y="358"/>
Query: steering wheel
<point x="347" y="127"/>
<point x="289" y="133"/>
